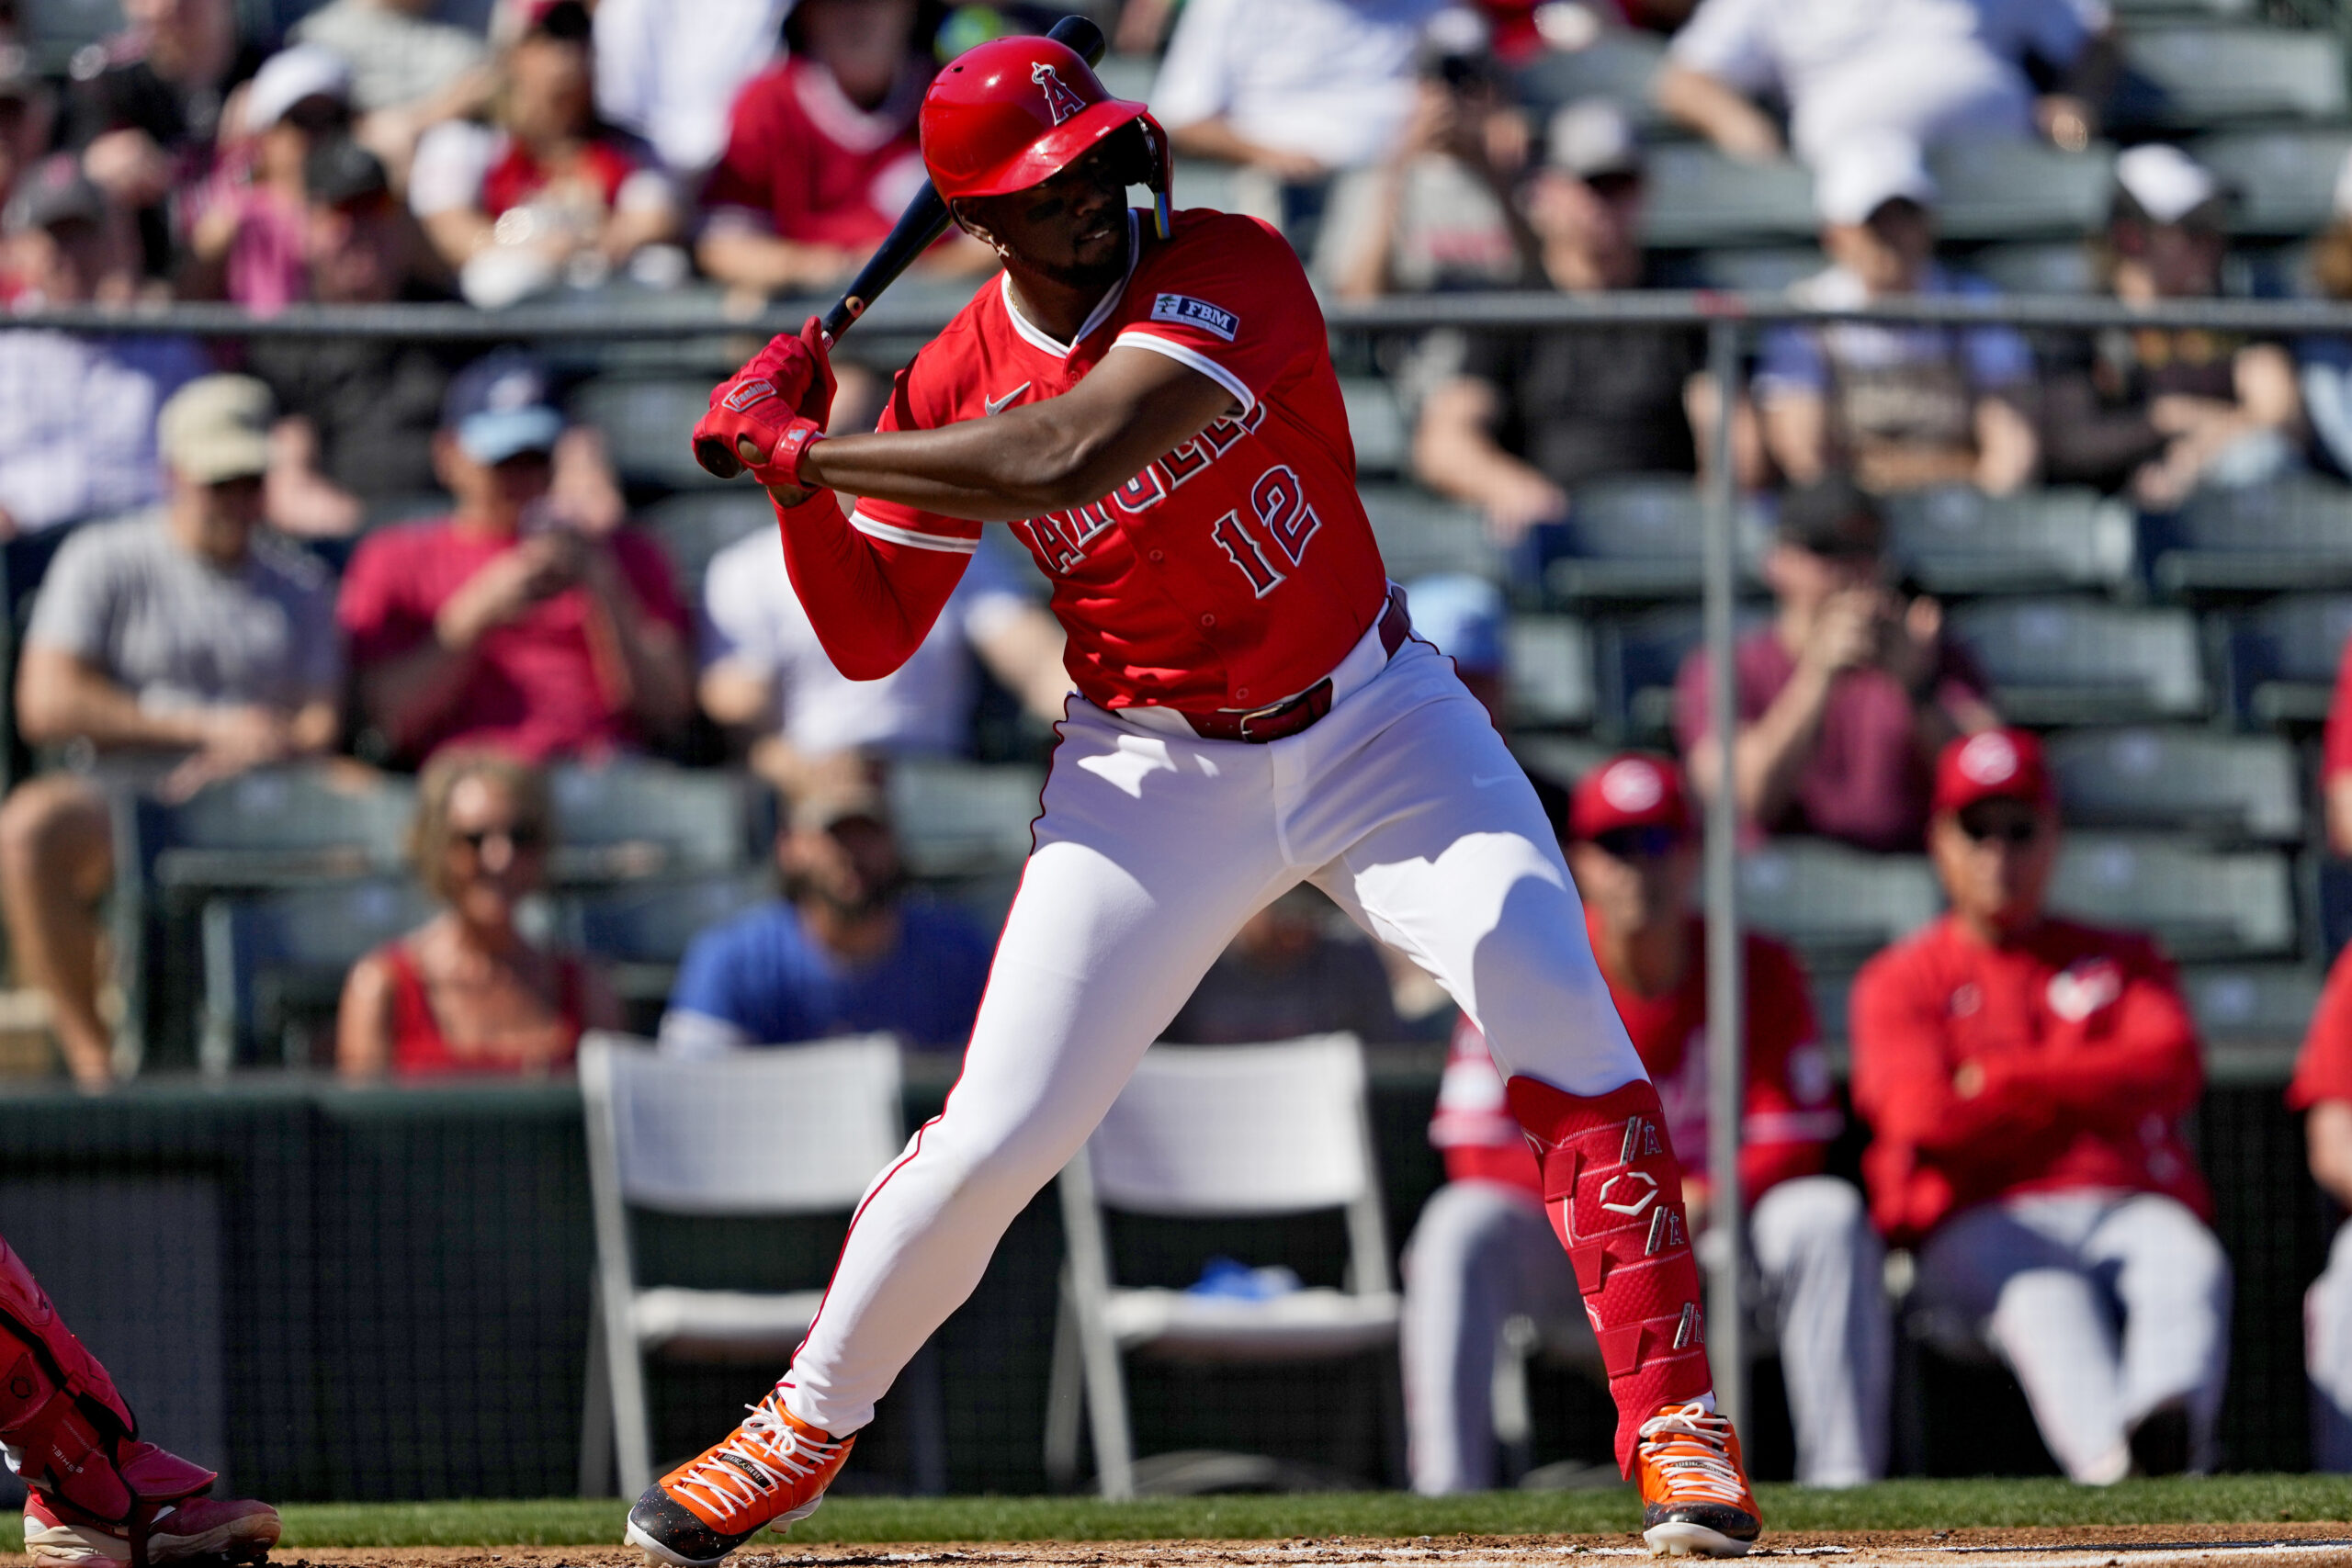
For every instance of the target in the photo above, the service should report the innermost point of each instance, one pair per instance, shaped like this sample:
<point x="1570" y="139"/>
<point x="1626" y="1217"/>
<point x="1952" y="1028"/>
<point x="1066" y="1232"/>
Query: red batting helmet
<point x="1016" y="111"/>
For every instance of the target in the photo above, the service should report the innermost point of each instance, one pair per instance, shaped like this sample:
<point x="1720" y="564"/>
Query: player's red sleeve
<point x="2335" y="755"/>
<point x="2135" y="1058"/>
<point x="1234" y="305"/>
<point x="2323" y="1070"/>
<point x="1792" y="1110"/>
<point x="870" y="601"/>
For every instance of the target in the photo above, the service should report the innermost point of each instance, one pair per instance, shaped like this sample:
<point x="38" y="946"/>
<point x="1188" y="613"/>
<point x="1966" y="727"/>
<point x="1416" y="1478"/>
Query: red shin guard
<point x="74" y="1437"/>
<point x="1614" y="1191"/>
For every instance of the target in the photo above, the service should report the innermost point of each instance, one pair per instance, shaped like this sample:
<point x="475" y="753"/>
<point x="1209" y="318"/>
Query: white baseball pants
<point x="1402" y="804"/>
<point x="2327" y="1356"/>
<point x="1483" y="1253"/>
<point x="2107" y="1305"/>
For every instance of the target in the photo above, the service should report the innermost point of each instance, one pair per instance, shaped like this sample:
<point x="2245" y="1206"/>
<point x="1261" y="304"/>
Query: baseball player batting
<point x="1149" y="402"/>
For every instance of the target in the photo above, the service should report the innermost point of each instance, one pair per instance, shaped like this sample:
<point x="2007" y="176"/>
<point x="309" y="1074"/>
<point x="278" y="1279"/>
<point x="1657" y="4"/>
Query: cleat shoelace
<point x="765" y="1452"/>
<point x="1693" y="1456"/>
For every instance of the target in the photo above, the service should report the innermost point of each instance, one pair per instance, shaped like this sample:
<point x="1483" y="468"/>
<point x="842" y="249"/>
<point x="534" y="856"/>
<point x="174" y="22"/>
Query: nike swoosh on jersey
<point x="997" y="405"/>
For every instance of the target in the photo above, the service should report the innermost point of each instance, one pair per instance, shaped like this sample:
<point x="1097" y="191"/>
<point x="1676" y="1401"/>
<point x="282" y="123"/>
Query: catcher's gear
<point x="238" y="1530"/>
<point x="792" y="377"/>
<point x="1016" y="111"/>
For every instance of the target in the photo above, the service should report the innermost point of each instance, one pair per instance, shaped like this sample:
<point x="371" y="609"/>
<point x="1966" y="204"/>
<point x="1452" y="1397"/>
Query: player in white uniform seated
<point x="1483" y="1252"/>
<point x="764" y="672"/>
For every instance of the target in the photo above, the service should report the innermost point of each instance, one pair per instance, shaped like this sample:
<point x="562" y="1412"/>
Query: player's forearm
<point x="1020" y="463"/>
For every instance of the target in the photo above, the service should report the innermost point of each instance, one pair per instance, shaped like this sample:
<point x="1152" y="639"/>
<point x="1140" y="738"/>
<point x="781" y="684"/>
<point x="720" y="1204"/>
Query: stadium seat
<point x="275" y="963"/>
<point x="2077" y="661"/>
<point x="1960" y="540"/>
<point x="1559" y="759"/>
<point x="2201" y="904"/>
<point x="698" y="1138"/>
<point x="2138" y="13"/>
<point x="962" y="819"/>
<point x="1637" y="660"/>
<point x="1638" y="536"/>
<point x="2223" y="788"/>
<point x="2293" y="534"/>
<point x="2191" y="77"/>
<point x="1240" y="1133"/>
<point x="53" y="30"/>
<point x="1384" y="443"/>
<point x="2020" y="189"/>
<point x="1763" y="269"/>
<point x="1549" y="662"/>
<point x="641" y="930"/>
<point x="1127" y="76"/>
<point x="1421" y="534"/>
<point x="631" y="817"/>
<point x="1620" y="65"/>
<point x="2251" y="1003"/>
<point x="2048" y="266"/>
<point x="1835" y="904"/>
<point x="645" y="422"/>
<point x="1701" y="197"/>
<point x="1199" y="182"/>
<point x="696" y="525"/>
<point x="2283" y="179"/>
<point x="2283" y="657"/>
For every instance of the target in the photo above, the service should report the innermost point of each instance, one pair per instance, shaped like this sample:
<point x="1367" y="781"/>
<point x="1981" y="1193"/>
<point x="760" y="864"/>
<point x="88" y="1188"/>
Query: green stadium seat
<point x="1835" y="904"/>
<point x="1559" y="759"/>
<point x="2294" y="533"/>
<point x="1549" y="660"/>
<point x="2041" y="266"/>
<point x="1198" y="182"/>
<point x="632" y="817"/>
<point x="2138" y="13"/>
<point x="2283" y="657"/>
<point x="645" y="422"/>
<point x="1127" y="76"/>
<point x="2284" y="179"/>
<point x="2201" y="904"/>
<point x="1959" y="540"/>
<point x="1700" y="197"/>
<point x="1764" y="269"/>
<point x="697" y="524"/>
<point x="1638" y="657"/>
<point x="639" y="931"/>
<point x="958" y="819"/>
<point x="1383" y="441"/>
<point x="2190" y="78"/>
<point x="1639" y="536"/>
<point x="2017" y="189"/>
<point x="1420" y="533"/>
<point x="275" y="963"/>
<point x="2080" y="662"/>
<point x="2251" y="1003"/>
<point x="1620" y="65"/>
<point x="2226" y="788"/>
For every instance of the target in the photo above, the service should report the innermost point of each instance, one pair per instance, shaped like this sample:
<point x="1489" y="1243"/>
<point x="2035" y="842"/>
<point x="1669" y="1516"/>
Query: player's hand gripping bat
<point x="924" y="220"/>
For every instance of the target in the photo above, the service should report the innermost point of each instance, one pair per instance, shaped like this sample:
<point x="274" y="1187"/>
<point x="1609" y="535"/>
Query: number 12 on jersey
<point x="1283" y="513"/>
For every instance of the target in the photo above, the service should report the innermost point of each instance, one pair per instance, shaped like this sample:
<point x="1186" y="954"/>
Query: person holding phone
<point x="1846" y="697"/>
<point x="503" y="625"/>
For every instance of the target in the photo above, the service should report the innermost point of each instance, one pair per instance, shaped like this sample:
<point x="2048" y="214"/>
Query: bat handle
<point x="847" y="309"/>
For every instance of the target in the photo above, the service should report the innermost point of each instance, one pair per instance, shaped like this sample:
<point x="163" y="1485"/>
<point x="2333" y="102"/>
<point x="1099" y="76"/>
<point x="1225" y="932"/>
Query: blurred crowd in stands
<point x="324" y="555"/>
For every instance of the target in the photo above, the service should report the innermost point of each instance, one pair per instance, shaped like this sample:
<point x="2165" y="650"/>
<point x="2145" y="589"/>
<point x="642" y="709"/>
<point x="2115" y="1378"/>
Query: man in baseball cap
<point x="1482" y="1251"/>
<point x="2026" y="1078"/>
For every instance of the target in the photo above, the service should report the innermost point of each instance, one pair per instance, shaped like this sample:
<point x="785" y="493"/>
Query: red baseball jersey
<point x="1792" y="1112"/>
<point x="1237" y="569"/>
<point x="2323" y="1070"/>
<point x="2088" y="1057"/>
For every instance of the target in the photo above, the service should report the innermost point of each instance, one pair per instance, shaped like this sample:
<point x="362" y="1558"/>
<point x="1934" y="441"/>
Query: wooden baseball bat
<point x="924" y="222"/>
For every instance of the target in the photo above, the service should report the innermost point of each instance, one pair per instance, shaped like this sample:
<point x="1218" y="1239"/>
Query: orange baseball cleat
<point x="1695" y="1498"/>
<point x="773" y="1470"/>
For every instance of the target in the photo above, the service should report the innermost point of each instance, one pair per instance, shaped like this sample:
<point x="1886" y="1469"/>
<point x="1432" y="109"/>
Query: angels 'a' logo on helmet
<point x="1061" y="100"/>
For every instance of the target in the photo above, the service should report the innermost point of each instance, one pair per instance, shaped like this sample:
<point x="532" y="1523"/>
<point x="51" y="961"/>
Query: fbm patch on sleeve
<point x="1185" y="310"/>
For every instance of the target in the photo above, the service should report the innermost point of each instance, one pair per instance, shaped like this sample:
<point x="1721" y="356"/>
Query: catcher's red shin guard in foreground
<point x="99" y="1492"/>
<point x="1614" y="1191"/>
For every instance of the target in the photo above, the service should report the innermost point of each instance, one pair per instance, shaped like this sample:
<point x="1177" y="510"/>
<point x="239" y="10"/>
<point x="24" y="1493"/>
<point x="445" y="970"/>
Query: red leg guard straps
<point x="74" y="1437"/>
<point x="1614" y="1191"/>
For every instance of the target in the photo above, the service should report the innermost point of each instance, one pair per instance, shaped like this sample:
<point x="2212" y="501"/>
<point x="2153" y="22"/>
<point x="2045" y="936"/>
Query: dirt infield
<point x="2114" y="1546"/>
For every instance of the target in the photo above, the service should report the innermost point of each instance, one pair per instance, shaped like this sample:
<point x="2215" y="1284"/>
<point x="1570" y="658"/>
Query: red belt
<point x="1281" y="720"/>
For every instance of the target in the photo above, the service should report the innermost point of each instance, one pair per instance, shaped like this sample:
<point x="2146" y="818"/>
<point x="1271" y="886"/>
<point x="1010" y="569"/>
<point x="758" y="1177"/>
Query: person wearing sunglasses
<point x="2025" y="1078"/>
<point x="467" y="992"/>
<point x="1482" y="1251"/>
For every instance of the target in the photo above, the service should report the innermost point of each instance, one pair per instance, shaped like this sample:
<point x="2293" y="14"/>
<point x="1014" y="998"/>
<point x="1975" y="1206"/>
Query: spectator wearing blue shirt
<point x="1900" y="408"/>
<point x="841" y="953"/>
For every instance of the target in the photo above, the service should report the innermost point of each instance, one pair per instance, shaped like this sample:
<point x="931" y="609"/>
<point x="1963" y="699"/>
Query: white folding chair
<point x="791" y="1129"/>
<point x="1207" y="1132"/>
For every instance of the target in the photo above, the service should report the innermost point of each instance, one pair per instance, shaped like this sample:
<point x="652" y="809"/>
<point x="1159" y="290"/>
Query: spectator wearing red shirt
<point x="1846" y="698"/>
<point x="2025" y="1078"/>
<point x="2323" y="1089"/>
<point x="1483" y="1251"/>
<point x="507" y="624"/>
<point x="547" y="194"/>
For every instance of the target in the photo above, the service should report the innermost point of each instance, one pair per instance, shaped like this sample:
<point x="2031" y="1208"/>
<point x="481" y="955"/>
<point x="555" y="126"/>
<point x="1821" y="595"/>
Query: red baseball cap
<point x="1995" y="764"/>
<point x="1630" y="790"/>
